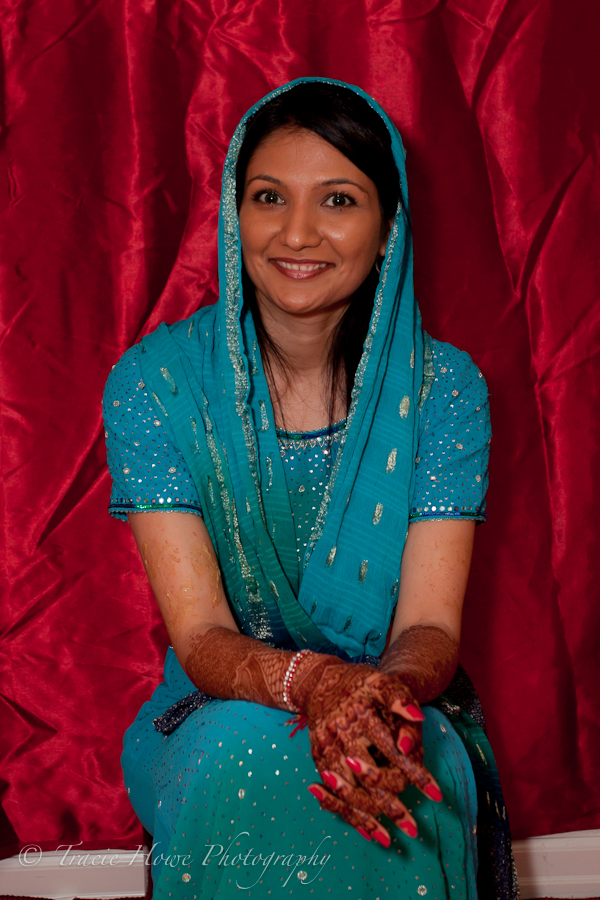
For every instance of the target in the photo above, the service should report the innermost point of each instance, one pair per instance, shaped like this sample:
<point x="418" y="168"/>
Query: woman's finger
<point x="365" y="824"/>
<point x="388" y="778"/>
<point x="407" y="735"/>
<point x="351" y="795"/>
<point x="397" y="698"/>
<point x="397" y="812"/>
<point x="406" y="741"/>
<point x="416" y="773"/>
<point x="410" y="711"/>
<point x="374" y="801"/>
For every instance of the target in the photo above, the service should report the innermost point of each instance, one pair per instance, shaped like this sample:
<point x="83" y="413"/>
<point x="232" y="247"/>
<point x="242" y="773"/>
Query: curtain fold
<point x="116" y="119"/>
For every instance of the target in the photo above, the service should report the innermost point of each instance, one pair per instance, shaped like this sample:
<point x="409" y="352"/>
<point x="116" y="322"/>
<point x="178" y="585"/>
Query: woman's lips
<point x="301" y="270"/>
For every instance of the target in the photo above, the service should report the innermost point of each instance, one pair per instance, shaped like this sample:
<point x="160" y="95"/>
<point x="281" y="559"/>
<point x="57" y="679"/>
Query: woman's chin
<point x="304" y="303"/>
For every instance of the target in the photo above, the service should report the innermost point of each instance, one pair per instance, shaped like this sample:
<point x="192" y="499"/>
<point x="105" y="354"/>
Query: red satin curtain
<point x="117" y="116"/>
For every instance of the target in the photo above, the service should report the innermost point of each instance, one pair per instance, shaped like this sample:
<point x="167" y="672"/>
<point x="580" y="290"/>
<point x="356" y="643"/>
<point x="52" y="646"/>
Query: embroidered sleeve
<point x="452" y="459"/>
<point x="148" y="471"/>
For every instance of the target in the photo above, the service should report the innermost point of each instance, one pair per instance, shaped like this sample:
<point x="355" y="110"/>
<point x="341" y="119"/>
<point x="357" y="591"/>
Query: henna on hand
<point x="349" y="709"/>
<point x="422" y="660"/>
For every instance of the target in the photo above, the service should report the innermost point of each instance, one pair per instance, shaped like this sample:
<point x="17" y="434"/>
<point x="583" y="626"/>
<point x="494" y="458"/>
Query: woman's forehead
<point x="299" y="155"/>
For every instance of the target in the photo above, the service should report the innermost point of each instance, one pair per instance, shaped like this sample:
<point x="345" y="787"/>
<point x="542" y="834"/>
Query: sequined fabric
<point x="307" y="459"/>
<point x="235" y="771"/>
<point x="149" y="473"/>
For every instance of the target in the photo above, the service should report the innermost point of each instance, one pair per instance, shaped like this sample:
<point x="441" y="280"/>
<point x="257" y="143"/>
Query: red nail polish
<point x="409" y="828"/>
<point x="329" y="779"/>
<point x="416" y="713"/>
<point x="354" y="765"/>
<point x="382" y="838"/>
<point x="406" y="745"/>
<point x="364" y="833"/>
<point x="433" y="792"/>
<point x="316" y="792"/>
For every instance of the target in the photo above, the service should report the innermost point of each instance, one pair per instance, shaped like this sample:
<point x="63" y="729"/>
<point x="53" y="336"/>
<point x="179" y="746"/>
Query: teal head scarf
<point x="207" y="376"/>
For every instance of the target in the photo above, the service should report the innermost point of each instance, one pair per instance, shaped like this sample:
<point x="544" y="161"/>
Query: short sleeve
<point x="148" y="471"/>
<point x="453" y="452"/>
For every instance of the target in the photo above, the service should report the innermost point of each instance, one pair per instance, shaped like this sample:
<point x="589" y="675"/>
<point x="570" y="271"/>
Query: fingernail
<point x="416" y="713"/>
<point x="433" y="792"/>
<point x="316" y="792"/>
<point x="354" y="765"/>
<point x="382" y="838"/>
<point x="364" y="833"/>
<point x="330" y="779"/>
<point x="409" y="828"/>
<point x="406" y="745"/>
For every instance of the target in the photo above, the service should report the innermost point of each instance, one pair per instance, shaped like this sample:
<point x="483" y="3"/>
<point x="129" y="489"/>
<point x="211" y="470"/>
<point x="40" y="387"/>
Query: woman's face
<point x="310" y="223"/>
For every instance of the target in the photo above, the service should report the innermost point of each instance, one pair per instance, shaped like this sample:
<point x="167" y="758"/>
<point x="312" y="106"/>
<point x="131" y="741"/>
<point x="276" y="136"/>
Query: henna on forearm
<point x="425" y="657"/>
<point x="233" y="666"/>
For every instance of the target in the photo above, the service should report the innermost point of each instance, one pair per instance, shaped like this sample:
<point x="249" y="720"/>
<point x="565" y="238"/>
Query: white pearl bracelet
<point x="287" y="678"/>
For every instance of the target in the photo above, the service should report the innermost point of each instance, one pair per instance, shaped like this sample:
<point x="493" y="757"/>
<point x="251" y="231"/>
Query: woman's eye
<point x="339" y="200"/>
<point x="268" y="197"/>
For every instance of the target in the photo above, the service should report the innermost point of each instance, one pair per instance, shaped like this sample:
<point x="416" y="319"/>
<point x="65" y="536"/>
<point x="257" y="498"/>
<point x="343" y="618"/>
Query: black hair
<point x="345" y="120"/>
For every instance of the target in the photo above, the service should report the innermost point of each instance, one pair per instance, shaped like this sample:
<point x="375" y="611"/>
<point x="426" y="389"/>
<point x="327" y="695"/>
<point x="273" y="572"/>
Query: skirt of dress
<point x="225" y="798"/>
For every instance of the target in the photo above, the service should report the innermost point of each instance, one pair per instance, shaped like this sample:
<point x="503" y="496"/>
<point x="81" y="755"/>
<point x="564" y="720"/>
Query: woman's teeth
<point x="298" y="267"/>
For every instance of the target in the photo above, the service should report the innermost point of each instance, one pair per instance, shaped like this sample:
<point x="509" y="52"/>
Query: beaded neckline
<point x="311" y="435"/>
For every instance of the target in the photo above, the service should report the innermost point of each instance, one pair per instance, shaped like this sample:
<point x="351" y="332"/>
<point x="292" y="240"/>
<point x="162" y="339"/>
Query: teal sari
<point x="211" y="384"/>
<point x="230" y="778"/>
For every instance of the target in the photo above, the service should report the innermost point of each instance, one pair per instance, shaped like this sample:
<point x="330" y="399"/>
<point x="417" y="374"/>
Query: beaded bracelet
<point x="287" y="678"/>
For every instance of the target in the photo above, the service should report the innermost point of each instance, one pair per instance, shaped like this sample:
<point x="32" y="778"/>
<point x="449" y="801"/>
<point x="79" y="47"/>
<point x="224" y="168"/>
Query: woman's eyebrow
<point x="343" y="181"/>
<point x="265" y="178"/>
<point x="329" y="181"/>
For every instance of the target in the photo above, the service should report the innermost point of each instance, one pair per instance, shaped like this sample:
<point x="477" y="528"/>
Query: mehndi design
<point x="362" y="722"/>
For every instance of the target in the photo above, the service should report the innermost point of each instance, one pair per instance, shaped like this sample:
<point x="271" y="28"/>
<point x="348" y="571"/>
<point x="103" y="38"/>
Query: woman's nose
<point x="300" y="228"/>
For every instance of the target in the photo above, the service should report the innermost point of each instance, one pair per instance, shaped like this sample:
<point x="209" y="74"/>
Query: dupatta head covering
<point x="207" y="376"/>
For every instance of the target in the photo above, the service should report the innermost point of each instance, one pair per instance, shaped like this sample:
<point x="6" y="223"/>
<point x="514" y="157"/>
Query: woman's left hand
<point x="350" y="708"/>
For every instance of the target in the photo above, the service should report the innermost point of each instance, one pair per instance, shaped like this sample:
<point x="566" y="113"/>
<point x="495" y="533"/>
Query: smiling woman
<point x="335" y="460"/>
<point x="307" y="247"/>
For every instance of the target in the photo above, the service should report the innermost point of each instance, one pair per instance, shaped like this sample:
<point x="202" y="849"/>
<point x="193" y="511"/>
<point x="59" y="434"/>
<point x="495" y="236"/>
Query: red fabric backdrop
<point x="117" y="117"/>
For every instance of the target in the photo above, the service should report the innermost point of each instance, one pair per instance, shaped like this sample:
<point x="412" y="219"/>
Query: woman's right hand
<point x="349" y="708"/>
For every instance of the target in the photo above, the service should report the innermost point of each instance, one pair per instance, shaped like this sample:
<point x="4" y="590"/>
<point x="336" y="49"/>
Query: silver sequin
<point x="264" y="419"/>
<point x="170" y="381"/>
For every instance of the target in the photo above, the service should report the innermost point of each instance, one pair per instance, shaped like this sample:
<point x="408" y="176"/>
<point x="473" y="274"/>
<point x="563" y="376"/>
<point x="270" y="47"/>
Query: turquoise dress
<point x="227" y="789"/>
<point x="309" y="532"/>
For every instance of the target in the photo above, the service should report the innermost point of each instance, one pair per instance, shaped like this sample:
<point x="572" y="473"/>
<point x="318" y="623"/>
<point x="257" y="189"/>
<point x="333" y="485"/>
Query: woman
<point x="335" y="458"/>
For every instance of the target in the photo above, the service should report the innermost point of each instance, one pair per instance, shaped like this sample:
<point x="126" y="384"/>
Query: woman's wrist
<point x="425" y="657"/>
<point x="308" y="675"/>
<point x="233" y="666"/>
<point x="287" y="678"/>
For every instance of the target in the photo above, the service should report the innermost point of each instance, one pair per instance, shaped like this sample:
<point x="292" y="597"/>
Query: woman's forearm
<point x="426" y="657"/>
<point x="232" y="666"/>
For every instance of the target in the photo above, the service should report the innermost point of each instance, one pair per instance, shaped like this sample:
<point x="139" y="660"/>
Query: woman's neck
<point x="299" y="380"/>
